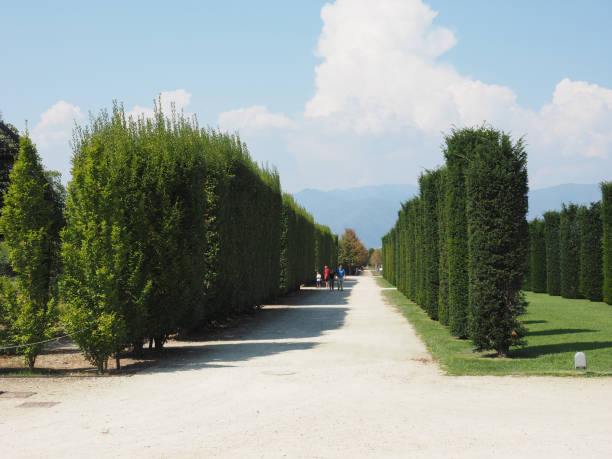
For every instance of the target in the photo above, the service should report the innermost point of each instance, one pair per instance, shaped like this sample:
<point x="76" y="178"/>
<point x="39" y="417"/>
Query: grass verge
<point x="558" y="328"/>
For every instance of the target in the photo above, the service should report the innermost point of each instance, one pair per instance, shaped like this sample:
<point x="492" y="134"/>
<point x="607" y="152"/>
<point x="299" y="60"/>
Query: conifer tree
<point x="551" y="232"/>
<point x="31" y="222"/>
<point x="591" y="270"/>
<point x="569" y="251"/>
<point x="498" y="236"/>
<point x="537" y="256"/>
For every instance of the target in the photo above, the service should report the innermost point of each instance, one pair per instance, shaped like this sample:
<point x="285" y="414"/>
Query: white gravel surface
<point x="332" y="374"/>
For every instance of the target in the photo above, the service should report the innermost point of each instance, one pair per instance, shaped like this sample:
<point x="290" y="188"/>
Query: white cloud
<point x="577" y="121"/>
<point x="380" y="72"/>
<point x="179" y="98"/>
<point x="52" y="136"/>
<point x="256" y="117"/>
<point x="55" y="125"/>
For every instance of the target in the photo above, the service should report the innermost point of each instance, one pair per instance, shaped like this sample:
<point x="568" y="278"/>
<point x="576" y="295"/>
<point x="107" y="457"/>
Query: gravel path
<point x="333" y="374"/>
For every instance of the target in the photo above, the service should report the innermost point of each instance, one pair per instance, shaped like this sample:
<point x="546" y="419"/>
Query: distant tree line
<point x="166" y="227"/>
<point x="458" y="249"/>
<point x="570" y="251"/>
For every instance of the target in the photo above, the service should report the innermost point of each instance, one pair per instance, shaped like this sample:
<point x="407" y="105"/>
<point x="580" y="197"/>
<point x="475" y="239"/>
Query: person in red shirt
<point x="326" y="276"/>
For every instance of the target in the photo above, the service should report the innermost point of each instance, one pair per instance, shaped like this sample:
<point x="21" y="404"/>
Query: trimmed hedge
<point x="465" y="221"/>
<point x="170" y="226"/>
<point x="569" y="251"/>
<point x="591" y="270"/>
<point x="551" y="235"/>
<point x="537" y="256"/>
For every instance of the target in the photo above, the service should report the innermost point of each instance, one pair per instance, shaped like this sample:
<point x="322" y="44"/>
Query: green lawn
<point x="558" y="328"/>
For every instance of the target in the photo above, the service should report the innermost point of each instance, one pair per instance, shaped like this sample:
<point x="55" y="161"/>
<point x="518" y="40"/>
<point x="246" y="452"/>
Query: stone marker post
<point x="580" y="361"/>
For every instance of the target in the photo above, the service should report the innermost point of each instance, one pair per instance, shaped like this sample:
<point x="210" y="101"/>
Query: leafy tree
<point x="606" y="219"/>
<point x="569" y="251"/>
<point x="9" y="150"/>
<point x="591" y="234"/>
<point x="551" y="233"/>
<point x="31" y="222"/>
<point x="375" y="258"/>
<point x="351" y="250"/>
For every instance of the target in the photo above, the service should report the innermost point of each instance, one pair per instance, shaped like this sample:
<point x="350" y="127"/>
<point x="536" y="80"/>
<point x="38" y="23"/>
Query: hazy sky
<point x="349" y="93"/>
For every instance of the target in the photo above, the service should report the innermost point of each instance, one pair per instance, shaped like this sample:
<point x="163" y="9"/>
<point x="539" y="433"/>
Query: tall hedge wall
<point x="169" y="226"/>
<point x="459" y="248"/>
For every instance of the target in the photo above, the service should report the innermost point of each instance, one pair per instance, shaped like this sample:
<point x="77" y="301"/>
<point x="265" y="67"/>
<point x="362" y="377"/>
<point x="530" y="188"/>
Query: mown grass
<point x="558" y="328"/>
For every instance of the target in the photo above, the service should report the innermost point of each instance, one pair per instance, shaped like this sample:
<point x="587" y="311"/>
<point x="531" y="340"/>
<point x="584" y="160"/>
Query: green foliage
<point x="459" y="249"/>
<point x="351" y="251"/>
<point x="606" y="220"/>
<point x="591" y="234"/>
<point x="31" y="222"/>
<point x="9" y="150"/>
<point x="443" y="256"/>
<point x="429" y="184"/>
<point x="498" y="237"/>
<point x="326" y="248"/>
<point x="551" y="234"/>
<point x="459" y="146"/>
<point x="170" y="226"/>
<point x="537" y="256"/>
<point x="569" y="251"/>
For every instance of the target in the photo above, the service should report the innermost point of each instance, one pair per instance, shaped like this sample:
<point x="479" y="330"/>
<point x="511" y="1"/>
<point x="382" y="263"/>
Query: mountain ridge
<point x="372" y="210"/>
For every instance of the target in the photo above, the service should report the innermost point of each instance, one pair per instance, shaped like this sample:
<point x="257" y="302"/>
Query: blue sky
<point x="343" y="94"/>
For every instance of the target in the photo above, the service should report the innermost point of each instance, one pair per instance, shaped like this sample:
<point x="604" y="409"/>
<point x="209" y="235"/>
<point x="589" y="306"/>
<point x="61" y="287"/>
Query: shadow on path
<point x="304" y="315"/>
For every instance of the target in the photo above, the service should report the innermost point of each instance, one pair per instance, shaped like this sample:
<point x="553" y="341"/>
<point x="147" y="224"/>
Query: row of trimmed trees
<point x="570" y="251"/>
<point x="167" y="227"/>
<point x="458" y="248"/>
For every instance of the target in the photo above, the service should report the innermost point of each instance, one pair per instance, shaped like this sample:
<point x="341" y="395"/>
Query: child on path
<point x="318" y="279"/>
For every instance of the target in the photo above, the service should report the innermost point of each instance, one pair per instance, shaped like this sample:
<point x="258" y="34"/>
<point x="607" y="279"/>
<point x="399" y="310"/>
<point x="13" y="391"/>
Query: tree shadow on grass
<point x="531" y="352"/>
<point x="559" y="331"/>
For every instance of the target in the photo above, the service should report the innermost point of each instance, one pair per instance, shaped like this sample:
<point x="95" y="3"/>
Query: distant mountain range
<point x="372" y="210"/>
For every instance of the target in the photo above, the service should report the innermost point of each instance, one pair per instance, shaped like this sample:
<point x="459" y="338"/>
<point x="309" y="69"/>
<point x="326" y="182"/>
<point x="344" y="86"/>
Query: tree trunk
<point x="100" y="364"/>
<point x="117" y="361"/>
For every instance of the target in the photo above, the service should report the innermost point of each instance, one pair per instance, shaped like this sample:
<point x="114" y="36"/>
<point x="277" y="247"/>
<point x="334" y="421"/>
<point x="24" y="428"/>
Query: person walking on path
<point x="341" y="274"/>
<point x="331" y="280"/>
<point x="326" y="276"/>
<point x="318" y="279"/>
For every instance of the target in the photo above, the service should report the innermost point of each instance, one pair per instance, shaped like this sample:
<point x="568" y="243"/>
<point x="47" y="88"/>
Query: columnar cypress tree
<point x="457" y="151"/>
<point x="498" y="236"/>
<point x="31" y="221"/>
<point x="591" y="234"/>
<point x="606" y="219"/>
<point x="537" y="252"/>
<point x="551" y="233"/>
<point x="443" y="252"/>
<point x="569" y="251"/>
<point x="429" y="185"/>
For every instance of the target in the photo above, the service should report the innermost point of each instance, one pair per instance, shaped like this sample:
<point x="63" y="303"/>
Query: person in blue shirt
<point x="341" y="274"/>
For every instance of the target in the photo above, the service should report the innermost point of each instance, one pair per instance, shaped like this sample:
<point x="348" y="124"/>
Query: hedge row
<point x="575" y="243"/>
<point x="458" y="249"/>
<point x="170" y="226"/>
